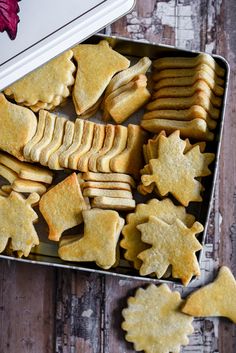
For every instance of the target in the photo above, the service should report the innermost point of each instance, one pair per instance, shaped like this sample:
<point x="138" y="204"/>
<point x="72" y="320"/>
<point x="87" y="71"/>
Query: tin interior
<point x="46" y="252"/>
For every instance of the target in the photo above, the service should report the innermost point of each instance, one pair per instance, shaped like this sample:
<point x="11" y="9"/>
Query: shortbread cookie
<point x="214" y="299"/>
<point x="125" y="104"/>
<point x="154" y="322"/>
<point x="18" y="184"/>
<point x="55" y="143"/>
<point x="6" y="188"/>
<point x="99" y="242"/>
<point x="77" y="138"/>
<point x="85" y="145"/>
<point x="191" y="72"/>
<point x="171" y="244"/>
<point x="123" y="93"/>
<point x="110" y="185"/>
<point x="53" y="161"/>
<point x="93" y="192"/>
<point x="150" y="151"/>
<point x="3" y="194"/>
<point x="175" y="172"/>
<point x="196" y="128"/>
<point x="181" y="62"/>
<point x="93" y="110"/>
<point x="119" y="144"/>
<point x="109" y="177"/>
<point x="128" y="75"/>
<point x="190" y="82"/>
<point x="164" y="210"/>
<point x="16" y="226"/>
<point x="28" y="186"/>
<point x="113" y="203"/>
<point x="108" y="143"/>
<point x="7" y="173"/>
<point x="26" y="170"/>
<point x="97" y="143"/>
<point x="199" y="98"/>
<point x="46" y="82"/>
<point x="46" y="138"/>
<point x="92" y="79"/>
<point x="152" y="146"/>
<point x="62" y="206"/>
<point x="47" y="106"/>
<point x="38" y="135"/>
<point x="188" y="91"/>
<point x="18" y="126"/>
<point x="194" y="112"/>
<point x="130" y="161"/>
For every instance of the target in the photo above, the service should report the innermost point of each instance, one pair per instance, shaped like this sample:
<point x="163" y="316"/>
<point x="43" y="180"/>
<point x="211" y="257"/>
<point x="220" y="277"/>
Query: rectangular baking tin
<point x="47" y="28"/>
<point x="46" y="253"/>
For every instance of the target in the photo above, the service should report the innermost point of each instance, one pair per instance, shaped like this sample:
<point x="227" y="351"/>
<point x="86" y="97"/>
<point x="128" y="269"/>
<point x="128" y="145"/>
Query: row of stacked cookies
<point x="23" y="177"/>
<point x="187" y="95"/>
<point x="86" y="146"/>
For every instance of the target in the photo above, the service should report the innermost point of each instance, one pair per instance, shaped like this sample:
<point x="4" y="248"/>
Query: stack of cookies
<point x="126" y="92"/>
<point x="187" y="96"/>
<point x="23" y="177"/>
<point x="86" y="146"/>
<point x="108" y="190"/>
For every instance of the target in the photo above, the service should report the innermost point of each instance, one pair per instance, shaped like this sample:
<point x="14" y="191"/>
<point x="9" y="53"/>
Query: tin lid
<point x="47" y="28"/>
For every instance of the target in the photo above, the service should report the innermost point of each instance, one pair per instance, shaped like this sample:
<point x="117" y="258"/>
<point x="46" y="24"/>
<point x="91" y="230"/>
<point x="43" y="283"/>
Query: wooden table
<point x="48" y="310"/>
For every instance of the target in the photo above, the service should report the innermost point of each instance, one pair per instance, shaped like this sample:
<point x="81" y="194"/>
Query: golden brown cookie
<point x="171" y="244"/>
<point x="153" y="320"/>
<point x="99" y="241"/>
<point x="62" y="206"/>
<point x="214" y="299"/>
<point x="92" y="80"/>
<point x="18" y="126"/>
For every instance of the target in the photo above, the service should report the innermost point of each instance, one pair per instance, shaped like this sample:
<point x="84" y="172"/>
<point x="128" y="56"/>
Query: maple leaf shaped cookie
<point x="172" y="244"/>
<point x="164" y="209"/>
<point x="175" y="171"/>
<point x="17" y="218"/>
<point x="154" y="322"/>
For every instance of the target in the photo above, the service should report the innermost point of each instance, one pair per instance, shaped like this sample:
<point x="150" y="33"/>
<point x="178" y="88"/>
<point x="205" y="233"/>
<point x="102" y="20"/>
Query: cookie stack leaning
<point x="187" y="96"/>
<point x="126" y="92"/>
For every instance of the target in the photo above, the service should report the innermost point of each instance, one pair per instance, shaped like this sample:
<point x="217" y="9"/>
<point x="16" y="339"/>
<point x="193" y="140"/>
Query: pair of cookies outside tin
<point x="158" y="320"/>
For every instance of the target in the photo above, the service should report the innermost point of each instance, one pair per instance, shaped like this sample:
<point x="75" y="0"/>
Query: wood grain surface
<point x="48" y="310"/>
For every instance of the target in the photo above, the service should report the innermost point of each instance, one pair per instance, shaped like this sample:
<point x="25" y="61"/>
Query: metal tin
<point x="47" y="28"/>
<point x="46" y="252"/>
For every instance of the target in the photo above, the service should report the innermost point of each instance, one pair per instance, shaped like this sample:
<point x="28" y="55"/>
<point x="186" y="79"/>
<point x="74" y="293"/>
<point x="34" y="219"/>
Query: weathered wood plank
<point x="116" y="293"/>
<point x="225" y="39"/>
<point x="79" y="315"/>
<point x="27" y="308"/>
